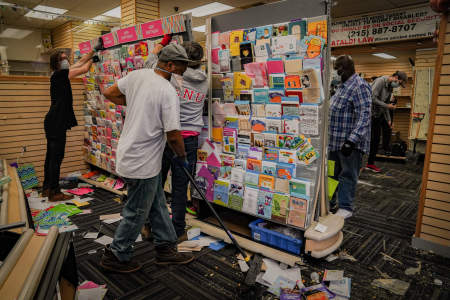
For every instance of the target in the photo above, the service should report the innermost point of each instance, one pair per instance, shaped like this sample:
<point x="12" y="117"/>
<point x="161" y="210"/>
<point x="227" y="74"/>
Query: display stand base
<point x="247" y="244"/>
<point x="333" y="223"/>
<point x="323" y="248"/>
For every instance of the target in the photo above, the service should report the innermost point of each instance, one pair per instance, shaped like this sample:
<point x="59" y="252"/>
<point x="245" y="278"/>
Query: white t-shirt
<point x="152" y="110"/>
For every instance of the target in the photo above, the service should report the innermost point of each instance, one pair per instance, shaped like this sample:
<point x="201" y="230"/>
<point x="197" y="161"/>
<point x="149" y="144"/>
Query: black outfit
<point x="179" y="181"/>
<point x="58" y="120"/>
<point x="379" y="126"/>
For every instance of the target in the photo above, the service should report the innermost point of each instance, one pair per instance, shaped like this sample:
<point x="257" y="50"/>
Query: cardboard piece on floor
<point x="193" y="232"/>
<point x="332" y="275"/>
<point x="104" y="240"/>
<point x="91" y="235"/>
<point x="110" y="216"/>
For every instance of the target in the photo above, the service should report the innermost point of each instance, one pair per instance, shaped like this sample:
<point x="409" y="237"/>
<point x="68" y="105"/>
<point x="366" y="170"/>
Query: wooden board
<point x="16" y="279"/>
<point x="442" y="205"/>
<point x="14" y="207"/>
<point x="24" y="103"/>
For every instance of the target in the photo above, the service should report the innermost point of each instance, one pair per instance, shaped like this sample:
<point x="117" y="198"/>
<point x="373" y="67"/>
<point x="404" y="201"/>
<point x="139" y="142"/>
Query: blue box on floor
<point x="274" y="238"/>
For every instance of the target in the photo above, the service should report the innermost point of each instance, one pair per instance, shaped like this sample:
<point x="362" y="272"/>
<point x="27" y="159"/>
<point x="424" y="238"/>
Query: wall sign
<point x="152" y="29"/>
<point x="108" y="40"/>
<point x="126" y="35"/>
<point x="397" y="25"/>
<point x="85" y="47"/>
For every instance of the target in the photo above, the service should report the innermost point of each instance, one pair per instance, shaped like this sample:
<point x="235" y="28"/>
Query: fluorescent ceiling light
<point x="115" y="13"/>
<point x="208" y="9"/>
<point x="45" y="12"/>
<point x="201" y="28"/>
<point x="384" y="55"/>
<point x="13" y="33"/>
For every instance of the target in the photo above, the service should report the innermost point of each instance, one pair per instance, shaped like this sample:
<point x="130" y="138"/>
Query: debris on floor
<point x="414" y="271"/>
<point x="396" y="286"/>
<point x="89" y="290"/>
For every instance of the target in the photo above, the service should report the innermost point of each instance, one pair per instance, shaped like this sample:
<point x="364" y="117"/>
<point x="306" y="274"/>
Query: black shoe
<point x="168" y="255"/>
<point x="110" y="262"/>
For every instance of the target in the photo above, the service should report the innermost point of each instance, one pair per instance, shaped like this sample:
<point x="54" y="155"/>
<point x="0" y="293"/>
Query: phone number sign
<point x="398" y="25"/>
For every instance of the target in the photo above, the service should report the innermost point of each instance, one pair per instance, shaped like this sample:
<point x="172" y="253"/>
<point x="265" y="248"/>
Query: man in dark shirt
<point x="60" y="117"/>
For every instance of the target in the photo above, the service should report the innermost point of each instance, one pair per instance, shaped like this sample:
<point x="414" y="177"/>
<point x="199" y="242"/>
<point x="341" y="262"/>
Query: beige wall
<point x="25" y="49"/>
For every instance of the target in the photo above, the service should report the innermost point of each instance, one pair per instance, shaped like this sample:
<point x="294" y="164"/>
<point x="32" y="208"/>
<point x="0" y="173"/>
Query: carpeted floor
<point x="383" y="222"/>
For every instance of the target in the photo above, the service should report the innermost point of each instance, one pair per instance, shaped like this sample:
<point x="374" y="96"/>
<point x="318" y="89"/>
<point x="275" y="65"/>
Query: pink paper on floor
<point x="80" y="191"/>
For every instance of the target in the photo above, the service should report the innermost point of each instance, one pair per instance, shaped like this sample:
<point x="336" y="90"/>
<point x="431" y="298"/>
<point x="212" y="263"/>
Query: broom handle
<point x="224" y="227"/>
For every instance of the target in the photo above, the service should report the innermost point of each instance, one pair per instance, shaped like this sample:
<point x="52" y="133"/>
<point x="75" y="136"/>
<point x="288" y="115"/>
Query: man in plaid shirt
<point x="349" y="132"/>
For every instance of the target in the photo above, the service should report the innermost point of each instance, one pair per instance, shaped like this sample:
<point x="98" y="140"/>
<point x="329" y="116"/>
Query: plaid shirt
<point x="350" y="115"/>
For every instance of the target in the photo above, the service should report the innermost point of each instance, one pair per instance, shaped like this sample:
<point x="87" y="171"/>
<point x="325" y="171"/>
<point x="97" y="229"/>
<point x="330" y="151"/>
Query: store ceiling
<point x="91" y="8"/>
<point x="85" y="9"/>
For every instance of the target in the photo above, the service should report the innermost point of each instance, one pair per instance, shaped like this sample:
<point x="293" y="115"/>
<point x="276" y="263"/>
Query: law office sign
<point x="404" y="24"/>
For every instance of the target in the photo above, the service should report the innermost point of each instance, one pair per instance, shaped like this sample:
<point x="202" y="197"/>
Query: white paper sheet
<point x="104" y="240"/>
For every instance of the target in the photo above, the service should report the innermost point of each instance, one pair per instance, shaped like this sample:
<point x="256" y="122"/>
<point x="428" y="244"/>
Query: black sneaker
<point x="168" y="255"/>
<point x="110" y="262"/>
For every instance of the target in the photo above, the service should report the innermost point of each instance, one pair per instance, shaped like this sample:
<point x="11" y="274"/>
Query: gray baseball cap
<point x="402" y="76"/>
<point x="173" y="52"/>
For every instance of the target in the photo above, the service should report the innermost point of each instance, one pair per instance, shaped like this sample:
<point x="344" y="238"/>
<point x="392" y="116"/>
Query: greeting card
<point x="309" y="116"/>
<point x="229" y="109"/>
<point x="258" y="124"/>
<point x="250" y="200"/>
<point x="255" y="152"/>
<point x="224" y="40"/>
<point x="276" y="81"/>
<point x="298" y="28"/>
<point x="275" y="95"/>
<point x="296" y="94"/>
<point x="287" y="156"/>
<point x="270" y="139"/>
<point x="257" y="139"/>
<point x="242" y="151"/>
<point x="205" y="181"/>
<point x="291" y="125"/>
<point x="246" y="95"/>
<point x="221" y="188"/>
<point x="236" y="38"/>
<point x="289" y="106"/>
<point x="236" y="196"/>
<point x="280" y="29"/>
<point x="262" y="48"/>
<point x="237" y="176"/>
<point x="285" y="171"/>
<point x="289" y="141"/>
<point x="240" y="164"/>
<point x="224" y="61"/>
<point x="292" y="82"/>
<point x="297" y="212"/>
<point x="215" y="40"/>
<point x="236" y="64"/>
<point x="229" y="140"/>
<point x="274" y="125"/>
<point x="263" y="32"/>
<point x="267" y="182"/>
<point x="242" y="107"/>
<point x="215" y="60"/>
<point x="264" y="204"/>
<point x="227" y="163"/>
<point x="269" y="168"/>
<point x="282" y="45"/>
<point x="300" y="188"/>
<point x="280" y="204"/>
<point x="254" y="165"/>
<point x="244" y="138"/>
<point x="244" y="124"/>
<point x="249" y="35"/>
<point x="311" y="95"/>
<point x="273" y="110"/>
<point x="258" y="110"/>
<point x="271" y="154"/>
<point x="260" y="95"/>
<point x="251" y="179"/>
<point x="257" y="71"/>
<point x="231" y="122"/>
<point x="202" y="155"/>
<point x="246" y="52"/>
<point x="318" y="26"/>
<point x="275" y="65"/>
<point x="281" y="185"/>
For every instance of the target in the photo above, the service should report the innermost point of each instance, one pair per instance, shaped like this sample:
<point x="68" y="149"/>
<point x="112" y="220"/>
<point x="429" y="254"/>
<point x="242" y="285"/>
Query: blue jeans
<point x="145" y="199"/>
<point x="179" y="181"/>
<point x="346" y="171"/>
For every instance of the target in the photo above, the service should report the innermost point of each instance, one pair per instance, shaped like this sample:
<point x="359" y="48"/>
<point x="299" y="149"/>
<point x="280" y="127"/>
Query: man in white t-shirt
<point x="152" y="113"/>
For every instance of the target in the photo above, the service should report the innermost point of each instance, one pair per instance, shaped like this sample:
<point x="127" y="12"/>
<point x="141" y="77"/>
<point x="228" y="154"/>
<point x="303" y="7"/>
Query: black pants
<point x="53" y="160"/>
<point x="179" y="181"/>
<point x="379" y="125"/>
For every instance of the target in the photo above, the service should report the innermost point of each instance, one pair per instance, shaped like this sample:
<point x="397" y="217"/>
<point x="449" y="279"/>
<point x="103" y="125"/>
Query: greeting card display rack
<point x="127" y="49"/>
<point x="268" y="99"/>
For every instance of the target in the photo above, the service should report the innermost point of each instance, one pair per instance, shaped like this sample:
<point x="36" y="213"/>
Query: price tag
<point x="320" y="228"/>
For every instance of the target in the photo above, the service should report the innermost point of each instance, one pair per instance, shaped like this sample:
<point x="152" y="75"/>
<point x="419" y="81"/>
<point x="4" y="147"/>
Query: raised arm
<point x="83" y="60"/>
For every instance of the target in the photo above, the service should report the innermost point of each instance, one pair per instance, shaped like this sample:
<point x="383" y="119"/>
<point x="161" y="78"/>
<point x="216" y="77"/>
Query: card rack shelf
<point x="276" y="13"/>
